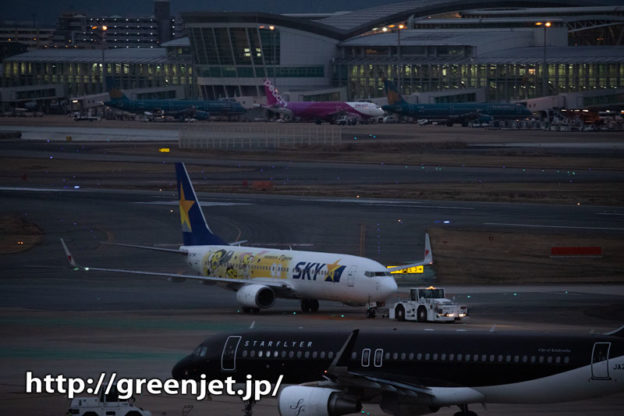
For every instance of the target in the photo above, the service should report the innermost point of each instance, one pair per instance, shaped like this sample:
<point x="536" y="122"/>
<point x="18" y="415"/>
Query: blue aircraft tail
<point x="393" y="94"/>
<point x="195" y="230"/>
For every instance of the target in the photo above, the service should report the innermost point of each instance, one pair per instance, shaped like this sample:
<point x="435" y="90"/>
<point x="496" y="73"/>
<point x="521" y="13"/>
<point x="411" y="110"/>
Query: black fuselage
<point x="429" y="358"/>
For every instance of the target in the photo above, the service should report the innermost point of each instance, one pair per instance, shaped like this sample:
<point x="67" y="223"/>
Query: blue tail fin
<point x="393" y="94"/>
<point x="195" y="231"/>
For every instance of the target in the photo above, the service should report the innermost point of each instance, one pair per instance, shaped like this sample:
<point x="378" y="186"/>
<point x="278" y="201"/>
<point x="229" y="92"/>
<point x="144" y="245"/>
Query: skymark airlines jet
<point x="319" y="110"/>
<point x="259" y="275"/>
<point x="412" y="373"/>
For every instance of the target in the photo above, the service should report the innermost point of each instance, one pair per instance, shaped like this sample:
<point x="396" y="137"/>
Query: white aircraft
<point x="259" y="275"/>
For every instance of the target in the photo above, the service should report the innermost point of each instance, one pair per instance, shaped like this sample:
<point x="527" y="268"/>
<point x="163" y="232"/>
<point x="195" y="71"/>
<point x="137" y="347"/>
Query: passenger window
<point x="459" y="357"/>
<point x="299" y="354"/>
<point x="508" y="358"/>
<point x="307" y="354"/>
<point x="330" y="355"/>
<point x="443" y="356"/>
<point x="427" y="356"/>
<point x="291" y="354"/>
<point x="566" y="360"/>
<point x="395" y="355"/>
<point x="558" y="360"/>
<point x="322" y="355"/>
<point x="549" y="360"/>
<point x="411" y="356"/>
<point x="451" y="357"/>
<point x="252" y="353"/>
<point x="315" y="355"/>
<point x="492" y="358"/>
<point x="387" y="356"/>
<point x="419" y="356"/>
<point x="244" y="354"/>
<point x="403" y="356"/>
<point x="283" y="353"/>
<point x="516" y="358"/>
<point x="475" y="357"/>
<point x="260" y="353"/>
<point x="275" y="354"/>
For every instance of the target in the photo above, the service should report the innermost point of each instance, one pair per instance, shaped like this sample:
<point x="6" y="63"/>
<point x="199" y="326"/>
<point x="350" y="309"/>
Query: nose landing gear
<point x="309" y="305"/>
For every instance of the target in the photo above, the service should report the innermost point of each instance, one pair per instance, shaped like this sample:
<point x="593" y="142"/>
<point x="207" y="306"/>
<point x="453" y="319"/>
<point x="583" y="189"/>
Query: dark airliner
<point x="410" y="372"/>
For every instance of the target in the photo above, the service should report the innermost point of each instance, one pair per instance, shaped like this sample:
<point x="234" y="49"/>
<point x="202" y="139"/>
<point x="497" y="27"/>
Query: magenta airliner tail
<point x="273" y="96"/>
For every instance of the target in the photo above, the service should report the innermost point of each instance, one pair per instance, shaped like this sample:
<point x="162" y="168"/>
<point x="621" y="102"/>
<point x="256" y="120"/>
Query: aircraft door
<point x="228" y="356"/>
<point x="351" y="276"/>
<point x="600" y="361"/>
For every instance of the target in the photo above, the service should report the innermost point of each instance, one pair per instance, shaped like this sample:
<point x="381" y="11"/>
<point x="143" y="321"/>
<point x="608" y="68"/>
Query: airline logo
<point x="275" y="93"/>
<point x="311" y="271"/>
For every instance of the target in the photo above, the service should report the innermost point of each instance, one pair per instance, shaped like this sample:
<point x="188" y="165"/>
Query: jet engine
<point x="315" y="401"/>
<point x="255" y="296"/>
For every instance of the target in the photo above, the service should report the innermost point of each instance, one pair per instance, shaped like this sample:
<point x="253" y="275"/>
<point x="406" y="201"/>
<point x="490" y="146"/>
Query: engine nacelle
<point x="255" y="296"/>
<point x="315" y="401"/>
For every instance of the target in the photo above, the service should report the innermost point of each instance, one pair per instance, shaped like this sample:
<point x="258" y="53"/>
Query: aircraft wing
<point x="366" y="386"/>
<point x="427" y="259"/>
<point x="282" y="289"/>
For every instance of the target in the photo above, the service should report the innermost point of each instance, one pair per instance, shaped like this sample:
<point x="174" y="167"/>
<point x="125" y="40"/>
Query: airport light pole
<point x="399" y="28"/>
<point x="103" y="28"/>
<point x="273" y="32"/>
<point x="545" y="25"/>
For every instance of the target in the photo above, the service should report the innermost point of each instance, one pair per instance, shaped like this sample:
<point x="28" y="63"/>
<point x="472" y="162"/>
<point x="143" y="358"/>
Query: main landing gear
<point x="309" y="305"/>
<point x="464" y="411"/>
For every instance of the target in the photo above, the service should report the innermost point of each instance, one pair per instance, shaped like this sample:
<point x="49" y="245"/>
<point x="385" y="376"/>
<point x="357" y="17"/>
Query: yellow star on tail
<point x="185" y="206"/>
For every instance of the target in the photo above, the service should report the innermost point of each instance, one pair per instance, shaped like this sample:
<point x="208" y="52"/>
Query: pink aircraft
<point x="331" y="111"/>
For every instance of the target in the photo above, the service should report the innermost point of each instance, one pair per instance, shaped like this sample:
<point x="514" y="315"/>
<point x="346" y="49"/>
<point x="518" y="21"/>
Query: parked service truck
<point x="105" y="405"/>
<point x="427" y="304"/>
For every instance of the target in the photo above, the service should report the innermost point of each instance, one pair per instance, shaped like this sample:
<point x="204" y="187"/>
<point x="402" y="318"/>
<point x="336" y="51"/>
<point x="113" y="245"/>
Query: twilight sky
<point x="47" y="11"/>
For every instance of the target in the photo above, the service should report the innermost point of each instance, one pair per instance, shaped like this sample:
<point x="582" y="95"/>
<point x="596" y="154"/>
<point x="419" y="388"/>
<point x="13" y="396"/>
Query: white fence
<point x="258" y="136"/>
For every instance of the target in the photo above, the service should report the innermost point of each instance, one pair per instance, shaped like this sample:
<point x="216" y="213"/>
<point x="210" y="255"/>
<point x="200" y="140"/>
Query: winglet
<point x="68" y="254"/>
<point x="428" y="259"/>
<point x="343" y="355"/>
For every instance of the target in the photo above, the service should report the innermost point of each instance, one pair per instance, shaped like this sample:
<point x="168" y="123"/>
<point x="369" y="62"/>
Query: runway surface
<point x="324" y="173"/>
<point x="57" y="320"/>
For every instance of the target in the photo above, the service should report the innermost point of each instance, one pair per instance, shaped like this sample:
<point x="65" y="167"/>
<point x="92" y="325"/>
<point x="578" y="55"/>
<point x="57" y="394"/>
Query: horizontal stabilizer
<point x="617" y="333"/>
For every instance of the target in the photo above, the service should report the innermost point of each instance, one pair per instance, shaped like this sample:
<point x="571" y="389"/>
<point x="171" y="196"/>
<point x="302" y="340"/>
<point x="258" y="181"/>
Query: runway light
<point x="164" y="150"/>
<point x="86" y="269"/>
<point x="171" y="211"/>
<point x="20" y="243"/>
<point x="447" y="222"/>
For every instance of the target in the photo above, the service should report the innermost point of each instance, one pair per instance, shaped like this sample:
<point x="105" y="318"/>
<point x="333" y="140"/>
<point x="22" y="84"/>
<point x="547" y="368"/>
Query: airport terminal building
<point x="436" y="51"/>
<point x="507" y="53"/>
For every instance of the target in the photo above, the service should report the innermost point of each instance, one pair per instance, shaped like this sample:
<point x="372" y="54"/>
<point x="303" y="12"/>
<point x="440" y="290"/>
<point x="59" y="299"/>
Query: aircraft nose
<point x="387" y="287"/>
<point x="181" y="370"/>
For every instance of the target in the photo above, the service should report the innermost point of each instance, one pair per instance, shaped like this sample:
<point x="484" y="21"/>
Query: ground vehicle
<point x="105" y="404"/>
<point x="427" y="304"/>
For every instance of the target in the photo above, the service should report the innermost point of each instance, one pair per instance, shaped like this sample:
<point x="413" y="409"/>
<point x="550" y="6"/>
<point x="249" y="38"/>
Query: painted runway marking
<point x="552" y="226"/>
<point x="388" y="203"/>
<point x="252" y="325"/>
<point x="203" y="204"/>
<point x="8" y="188"/>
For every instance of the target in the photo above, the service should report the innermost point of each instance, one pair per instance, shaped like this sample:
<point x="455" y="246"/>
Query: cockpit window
<point x="202" y="351"/>
<point x="376" y="274"/>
